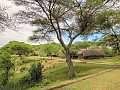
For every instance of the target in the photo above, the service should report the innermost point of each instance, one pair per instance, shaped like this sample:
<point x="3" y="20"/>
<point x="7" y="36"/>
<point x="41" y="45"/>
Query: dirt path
<point x="79" y="61"/>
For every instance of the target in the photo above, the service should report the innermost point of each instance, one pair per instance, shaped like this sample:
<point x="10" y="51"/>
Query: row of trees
<point x="57" y="49"/>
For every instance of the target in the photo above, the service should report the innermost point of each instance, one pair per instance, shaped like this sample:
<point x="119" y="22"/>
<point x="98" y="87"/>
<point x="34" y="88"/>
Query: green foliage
<point x="26" y="81"/>
<point x="45" y="61"/>
<point x="18" y="48"/>
<point x="5" y="60"/>
<point x="45" y="82"/>
<point x="111" y="41"/>
<point x="106" y="18"/>
<point x="80" y="57"/>
<point x="40" y="21"/>
<point x="23" y="68"/>
<point x="5" y="64"/>
<point x="108" y="51"/>
<point x="49" y="49"/>
<point x="108" y="40"/>
<point x="36" y="71"/>
<point x="81" y="45"/>
<point x="61" y="55"/>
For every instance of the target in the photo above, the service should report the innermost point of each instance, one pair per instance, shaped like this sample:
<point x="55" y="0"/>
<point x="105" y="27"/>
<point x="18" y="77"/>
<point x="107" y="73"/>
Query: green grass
<point x="109" y="60"/>
<point x="60" y="73"/>
<point x="106" y="81"/>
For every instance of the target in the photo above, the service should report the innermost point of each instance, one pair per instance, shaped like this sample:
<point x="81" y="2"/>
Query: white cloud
<point x="23" y="33"/>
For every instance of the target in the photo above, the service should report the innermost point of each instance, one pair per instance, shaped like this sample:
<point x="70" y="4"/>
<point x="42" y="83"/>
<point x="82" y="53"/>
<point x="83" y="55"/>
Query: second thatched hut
<point x="91" y="53"/>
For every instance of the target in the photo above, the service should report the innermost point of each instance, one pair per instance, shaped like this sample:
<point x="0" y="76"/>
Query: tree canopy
<point x="49" y="49"/>
<point x="5" y="64"/>
<point x="112" y="41"/>
<point x="19" y="48"/>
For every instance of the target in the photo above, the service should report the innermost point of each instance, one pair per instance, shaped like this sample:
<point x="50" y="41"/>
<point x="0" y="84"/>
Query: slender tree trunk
<point x="118" y="48"/>
<point x="70" y="65"/>
<point x="51" y="56"/>
<point x="7" y="72"/>
<point x="72" y="56"/>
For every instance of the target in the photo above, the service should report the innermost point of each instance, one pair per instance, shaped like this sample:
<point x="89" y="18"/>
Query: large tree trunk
<point x="70" y="65"/>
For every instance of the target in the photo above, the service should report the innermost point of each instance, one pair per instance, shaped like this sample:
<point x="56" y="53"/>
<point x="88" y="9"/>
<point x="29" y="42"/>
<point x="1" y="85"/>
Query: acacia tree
<point x="19" y="48"/>
<point x="112" y="38"/>
<point x="111" y="41"/>
<point x="70" y="18"/>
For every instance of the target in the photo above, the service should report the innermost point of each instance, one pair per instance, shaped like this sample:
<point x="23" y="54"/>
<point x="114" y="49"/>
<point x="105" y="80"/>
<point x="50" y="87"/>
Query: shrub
<point x="27" y="60"/>
<point x="26" y="81"/>
<point x="36" y="71"/>
<point x="53" y="66"/>
<point x="23" y="68"/>
<point x="45" y="82"/>
<point x="45" y="61"/>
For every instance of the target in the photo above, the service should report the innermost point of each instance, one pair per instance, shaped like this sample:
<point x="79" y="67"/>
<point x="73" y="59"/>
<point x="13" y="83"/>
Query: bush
<point x="36" y="71"/>
<point x="45" y="61"/>
<point x="23" y="68"/>
<point x="26" y="81"/>
<point x="45" y="82"/>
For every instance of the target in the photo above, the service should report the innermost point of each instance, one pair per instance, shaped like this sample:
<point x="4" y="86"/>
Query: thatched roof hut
<point x="92" y="53"/>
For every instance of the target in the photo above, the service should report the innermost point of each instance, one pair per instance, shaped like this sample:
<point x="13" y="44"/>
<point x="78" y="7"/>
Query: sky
<point x="23" y="33"/>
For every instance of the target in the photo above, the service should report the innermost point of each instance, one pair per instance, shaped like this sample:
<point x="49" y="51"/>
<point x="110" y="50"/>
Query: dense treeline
<point x="56" y="49"/>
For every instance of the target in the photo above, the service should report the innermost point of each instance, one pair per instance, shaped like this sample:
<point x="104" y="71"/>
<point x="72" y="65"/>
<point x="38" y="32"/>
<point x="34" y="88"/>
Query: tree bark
<point x="118" y="48"/>
<point x="70" y="65"/>
<point x="51" y="56"/>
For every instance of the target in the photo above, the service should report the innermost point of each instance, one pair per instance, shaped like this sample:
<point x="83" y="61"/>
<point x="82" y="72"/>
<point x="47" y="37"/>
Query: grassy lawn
<point x="109" y="60"/>
<point x="106" y="81"/>
<point x="60" y="72"/>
